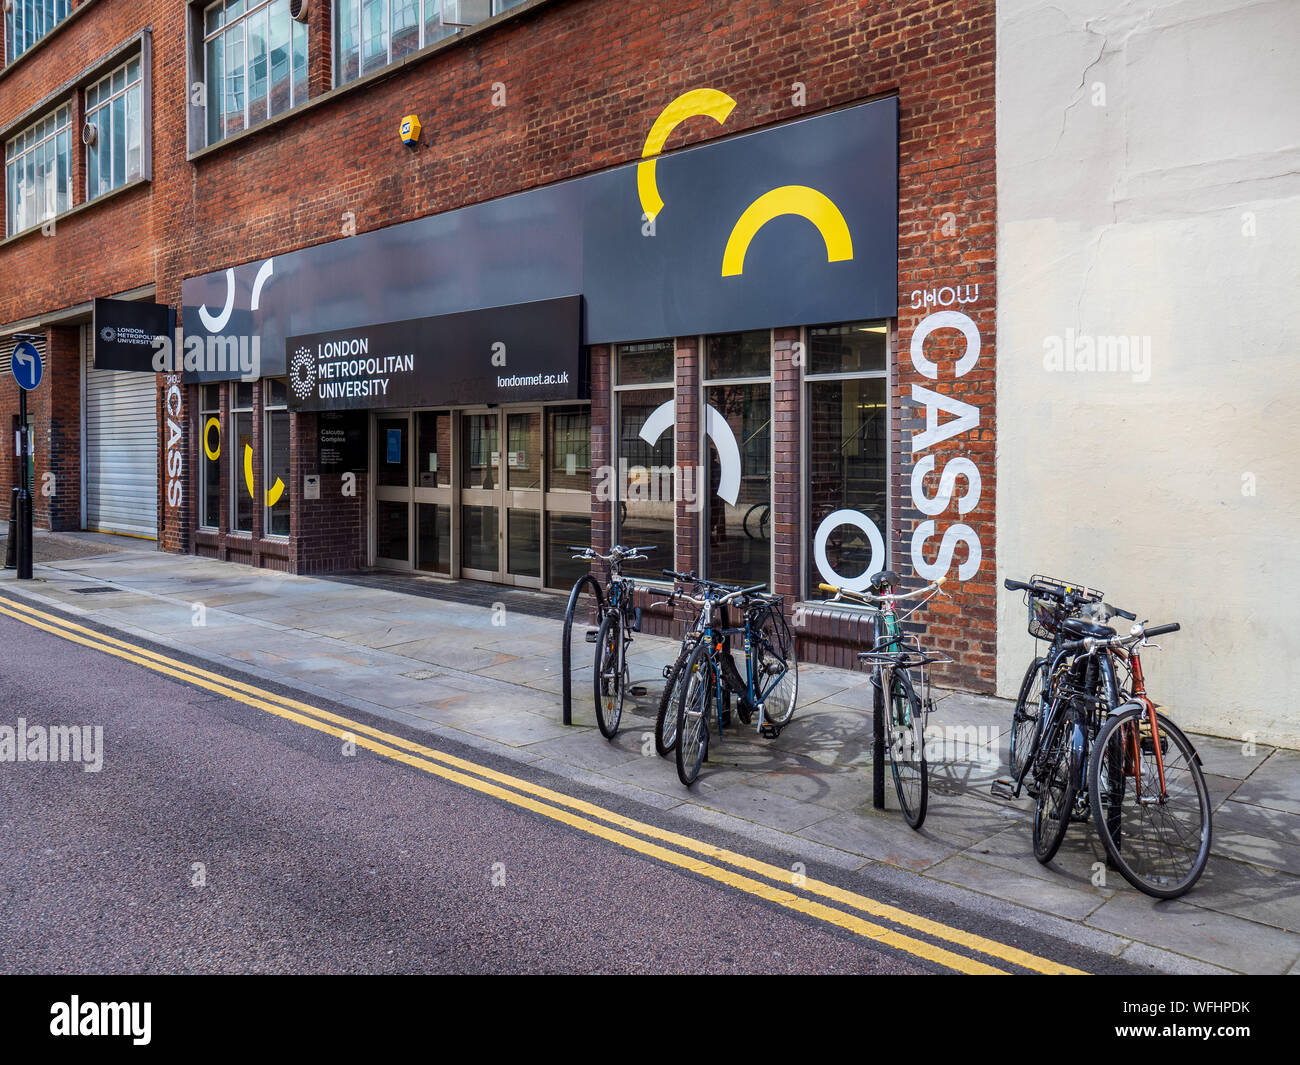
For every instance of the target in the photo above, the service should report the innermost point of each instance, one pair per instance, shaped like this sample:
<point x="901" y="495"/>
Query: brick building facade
<point x="545" y="92"/>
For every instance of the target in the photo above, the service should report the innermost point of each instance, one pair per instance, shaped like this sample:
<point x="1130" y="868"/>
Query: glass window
<point x="38" y="179"/>
<point x="564" y="532"/>
<point x="255" y="60"/>
<point x="373" y="33"/>
<point x="738" y="531"/>
<point x="27" y="21"/>
<point x="433" y="460"/>
<point x="241" y="415"/>
<point x="738" y="355"/>
<point x="210" y="465"/>
<point x="645" y="509"/>
<point x="570" y="449"/>
<point x="846" y="439"/>
<point x="275" y="472"/>
<point x="390" y="452"/>
<point x="433" y="545"/>
<point x="113" y="108"/>
<point x="858" y="347"/>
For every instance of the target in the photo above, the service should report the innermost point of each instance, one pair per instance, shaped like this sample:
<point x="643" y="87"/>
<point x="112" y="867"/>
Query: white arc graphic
<point x="717" y="430"/>
<point x="263" y="272"/>
<point x="214" y="323"/>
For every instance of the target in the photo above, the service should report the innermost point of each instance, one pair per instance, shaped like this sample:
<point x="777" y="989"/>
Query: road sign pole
<point x="24" y="555"/>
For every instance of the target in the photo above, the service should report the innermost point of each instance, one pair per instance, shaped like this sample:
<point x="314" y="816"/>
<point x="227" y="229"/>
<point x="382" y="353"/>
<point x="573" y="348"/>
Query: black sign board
<point x="527" y="352"/>
<point x="342" y="441"/>
<point x="126" y="331"/>
<point x="796" y="224"/>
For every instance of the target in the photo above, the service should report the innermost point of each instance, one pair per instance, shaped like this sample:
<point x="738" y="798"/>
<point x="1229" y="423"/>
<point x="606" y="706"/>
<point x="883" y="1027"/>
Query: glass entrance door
<point x="501" y="496"/>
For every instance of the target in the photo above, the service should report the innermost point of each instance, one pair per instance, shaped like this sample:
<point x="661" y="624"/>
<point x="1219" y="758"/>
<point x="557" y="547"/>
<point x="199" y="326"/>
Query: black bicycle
<point x="1051" y="603"/>
<point x="666" y="716"/>
<point x="621" y="618"/>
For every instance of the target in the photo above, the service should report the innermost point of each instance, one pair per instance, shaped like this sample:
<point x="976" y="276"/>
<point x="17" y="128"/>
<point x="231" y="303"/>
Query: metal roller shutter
<point x="121" y="451"/>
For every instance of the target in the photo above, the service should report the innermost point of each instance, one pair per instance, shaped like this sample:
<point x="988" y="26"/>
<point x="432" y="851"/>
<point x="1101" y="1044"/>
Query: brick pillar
<point x="320" y="48"/>
<point x="60" y="446"/>
<point x="787" y="539"/>
<point x="602" y="510"/>
<point x="687" y="412"/>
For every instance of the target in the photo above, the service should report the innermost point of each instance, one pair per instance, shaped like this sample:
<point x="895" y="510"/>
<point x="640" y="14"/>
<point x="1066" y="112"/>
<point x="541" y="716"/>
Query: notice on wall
<point x="342" y="442"/>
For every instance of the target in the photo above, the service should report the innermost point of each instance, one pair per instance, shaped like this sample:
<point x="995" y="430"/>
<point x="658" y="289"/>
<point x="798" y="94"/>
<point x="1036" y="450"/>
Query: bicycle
<point x="1158" y="831"/>
<point x="1093" y="739"/>
<point x="1050" y="602"/>
<point x="620" y="619"/>
<point x="770" y="687"/>
<point x="893" y="658"/>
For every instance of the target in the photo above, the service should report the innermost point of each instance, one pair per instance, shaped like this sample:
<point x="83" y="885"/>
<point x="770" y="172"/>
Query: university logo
<point x="302" y="373"/>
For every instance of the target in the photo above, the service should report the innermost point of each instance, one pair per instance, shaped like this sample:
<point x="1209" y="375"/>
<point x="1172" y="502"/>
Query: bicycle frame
<point x="1140" y="699"/>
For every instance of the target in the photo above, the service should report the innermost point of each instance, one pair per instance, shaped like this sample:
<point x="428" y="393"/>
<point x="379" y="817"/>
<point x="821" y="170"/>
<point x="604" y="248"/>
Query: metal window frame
<point x="252" y="7"/>
<point x="100" y="105"/>
<point x="13" y="157"/>
<point x="704" y="384"/>
<point x="806" y="379"/>
<point x="615" y="437"/>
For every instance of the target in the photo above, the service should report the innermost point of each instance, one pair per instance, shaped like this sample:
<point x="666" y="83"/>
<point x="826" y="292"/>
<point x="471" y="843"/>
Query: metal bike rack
<point x="566" y="666"/>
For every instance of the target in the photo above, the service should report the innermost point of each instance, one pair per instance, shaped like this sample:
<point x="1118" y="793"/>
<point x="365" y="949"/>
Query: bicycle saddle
<point x="1082" y="627"/>
<point x="885" y="578"/>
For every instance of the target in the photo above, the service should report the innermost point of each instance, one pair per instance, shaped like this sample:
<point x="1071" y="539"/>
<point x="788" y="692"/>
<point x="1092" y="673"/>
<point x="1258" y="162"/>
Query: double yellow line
<point x="802" y="894"/>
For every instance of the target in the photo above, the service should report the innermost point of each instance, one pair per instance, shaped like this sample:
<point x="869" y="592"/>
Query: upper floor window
<point x="38" y="174"/>
<point x="114" y="152"/>
<point x="27" y="21"/>
<point x="373" y="33"/>
<point x="255" y="63"/>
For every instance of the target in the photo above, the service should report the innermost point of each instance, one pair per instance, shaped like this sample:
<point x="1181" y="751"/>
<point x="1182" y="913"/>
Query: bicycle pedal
<point x="769" y="732"/>
<point x="591" y="635"/>
<point x="636" y="691"/>
<point x="1003" y="788"/>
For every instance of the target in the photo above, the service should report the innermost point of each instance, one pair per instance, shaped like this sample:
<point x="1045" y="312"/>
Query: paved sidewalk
<point x="490" y="678"/>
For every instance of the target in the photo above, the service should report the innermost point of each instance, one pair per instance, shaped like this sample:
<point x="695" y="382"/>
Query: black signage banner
<point x="524" y="353"/>
<point x="126" y="331"/>
<point x="341" y="437"/>
<point x="792" y="225"/>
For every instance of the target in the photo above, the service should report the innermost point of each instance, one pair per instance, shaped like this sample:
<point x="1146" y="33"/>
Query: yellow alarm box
<point x="410" y="130"/>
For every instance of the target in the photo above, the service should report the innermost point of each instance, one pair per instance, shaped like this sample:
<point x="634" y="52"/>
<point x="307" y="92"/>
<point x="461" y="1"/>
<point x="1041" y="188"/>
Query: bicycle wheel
<point x="1024" y="719"/>
<point x="756" y="521"/>
<point x="1058" y="784"/>
<point x="693" y="708"/>
<point x="608" y="677"/>
<point x="905" y="735"/>
<point x="1159" y="844"/>
<point x="666" y="718"/>
<point x="773" y="653"/>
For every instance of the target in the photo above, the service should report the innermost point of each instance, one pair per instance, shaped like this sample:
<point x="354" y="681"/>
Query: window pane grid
<point x="255" y="64"/>
<point x="38" y="178"/>
<point x="30" y="20"/>
<point x="113" y="107"/>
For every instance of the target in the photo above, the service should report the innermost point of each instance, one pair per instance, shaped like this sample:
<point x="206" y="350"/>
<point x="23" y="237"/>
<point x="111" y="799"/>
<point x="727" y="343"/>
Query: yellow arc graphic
<point x="801" y="200"/>
<point x="273" y="493"/>
<point x="710" y="103"/>
<point x="213" y="455"/>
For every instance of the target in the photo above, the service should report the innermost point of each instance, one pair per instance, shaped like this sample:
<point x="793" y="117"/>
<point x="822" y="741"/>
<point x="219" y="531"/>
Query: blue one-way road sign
<point x="26" y="365"/>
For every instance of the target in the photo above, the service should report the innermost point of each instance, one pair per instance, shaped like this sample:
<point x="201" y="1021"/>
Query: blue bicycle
<point x="770" y="685"/>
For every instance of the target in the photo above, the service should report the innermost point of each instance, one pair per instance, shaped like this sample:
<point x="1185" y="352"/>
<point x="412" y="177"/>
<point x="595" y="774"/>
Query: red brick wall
<point x="584" y="79"/>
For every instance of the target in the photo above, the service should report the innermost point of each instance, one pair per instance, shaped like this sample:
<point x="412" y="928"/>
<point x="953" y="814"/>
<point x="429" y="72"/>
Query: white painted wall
<point x="1149" y="185"/>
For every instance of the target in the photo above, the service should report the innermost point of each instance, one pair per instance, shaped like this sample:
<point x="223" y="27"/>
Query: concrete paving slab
<point x="1220" y="939"/>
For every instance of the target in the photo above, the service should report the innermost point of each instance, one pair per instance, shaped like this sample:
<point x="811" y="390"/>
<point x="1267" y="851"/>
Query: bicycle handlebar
<point x="872" y="597"/>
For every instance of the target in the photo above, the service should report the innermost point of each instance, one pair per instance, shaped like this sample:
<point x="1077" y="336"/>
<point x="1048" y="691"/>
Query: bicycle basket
<point x="1047" y="608"/>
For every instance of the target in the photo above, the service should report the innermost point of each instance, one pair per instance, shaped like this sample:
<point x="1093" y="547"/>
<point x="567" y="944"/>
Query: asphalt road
<point x="316" y="860"/>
